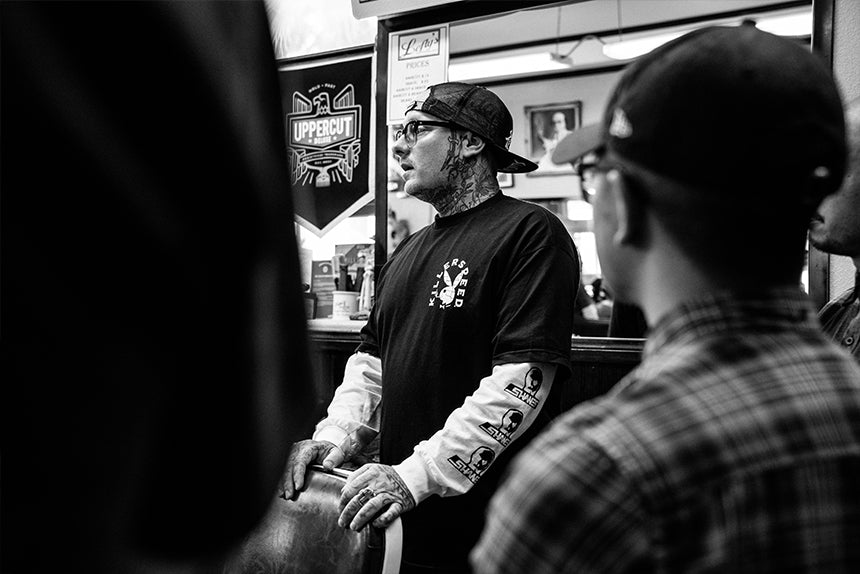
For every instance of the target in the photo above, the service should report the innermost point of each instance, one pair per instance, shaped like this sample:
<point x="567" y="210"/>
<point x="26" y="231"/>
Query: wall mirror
<point x="554" y="64"/>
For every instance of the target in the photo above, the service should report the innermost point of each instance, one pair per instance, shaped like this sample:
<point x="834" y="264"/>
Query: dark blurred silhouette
<point x="153" y="346"/>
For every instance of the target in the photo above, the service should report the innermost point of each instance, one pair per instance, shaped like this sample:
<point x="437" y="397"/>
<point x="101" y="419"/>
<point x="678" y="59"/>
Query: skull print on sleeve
<point x="505" y="404"/>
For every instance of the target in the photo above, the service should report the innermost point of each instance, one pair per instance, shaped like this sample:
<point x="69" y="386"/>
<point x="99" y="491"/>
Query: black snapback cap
<point x="479" y="110"/>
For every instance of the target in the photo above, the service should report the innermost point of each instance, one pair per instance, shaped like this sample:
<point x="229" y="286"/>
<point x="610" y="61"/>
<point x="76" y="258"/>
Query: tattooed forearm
<point x="402" y="491"/>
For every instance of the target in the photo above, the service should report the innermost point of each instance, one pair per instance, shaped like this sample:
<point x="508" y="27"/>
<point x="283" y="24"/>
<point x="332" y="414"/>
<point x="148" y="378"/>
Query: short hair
<point x="728" y="231"/>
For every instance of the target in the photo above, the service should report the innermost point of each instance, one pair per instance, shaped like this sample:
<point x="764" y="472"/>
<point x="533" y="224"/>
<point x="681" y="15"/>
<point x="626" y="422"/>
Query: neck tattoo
<point x="470" y="183"/>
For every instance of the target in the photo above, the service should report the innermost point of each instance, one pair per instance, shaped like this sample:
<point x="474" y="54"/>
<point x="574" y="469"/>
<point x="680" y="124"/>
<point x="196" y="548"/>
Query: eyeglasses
<point x="599" y="162"/>
<point x="410" y="130"/>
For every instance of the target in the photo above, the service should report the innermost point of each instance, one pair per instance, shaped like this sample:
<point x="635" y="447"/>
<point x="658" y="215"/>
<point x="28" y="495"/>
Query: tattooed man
<point x="467" y="344"/>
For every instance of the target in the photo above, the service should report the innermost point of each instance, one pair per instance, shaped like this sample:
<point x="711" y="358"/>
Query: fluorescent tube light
<point x="799" y="24"/>
<point x="629" y="49"/>
<point x="795" y="24"/>
<point x="505" y="66"/>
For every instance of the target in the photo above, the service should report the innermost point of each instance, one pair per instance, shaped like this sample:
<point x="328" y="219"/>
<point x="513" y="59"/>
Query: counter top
<point x="336" y="325"/>
<point x="346" y="332"/>
<point x="583" y="328"/>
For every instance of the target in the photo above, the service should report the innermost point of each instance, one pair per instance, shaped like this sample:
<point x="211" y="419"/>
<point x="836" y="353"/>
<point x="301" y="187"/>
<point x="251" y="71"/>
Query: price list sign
<point x="417" y="59"/>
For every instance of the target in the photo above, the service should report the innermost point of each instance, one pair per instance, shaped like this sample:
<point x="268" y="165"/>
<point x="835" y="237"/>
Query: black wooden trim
<point x="381" y="193"/>
<point x="466" y="11"/>
<point x="823" y="23"/>
<point x="583" y="349"/>
<point x="321" y="57"/>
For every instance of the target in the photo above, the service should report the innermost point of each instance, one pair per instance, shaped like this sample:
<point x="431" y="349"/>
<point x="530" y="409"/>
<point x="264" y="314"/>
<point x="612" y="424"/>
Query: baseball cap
<point x="479" y="110"/>
<point x="578" y="143"/>
<point x="728" y="109"/>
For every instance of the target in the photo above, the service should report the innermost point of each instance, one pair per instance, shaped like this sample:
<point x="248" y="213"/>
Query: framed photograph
<point x="547" y="125"/>
<point x="505" y="179"/>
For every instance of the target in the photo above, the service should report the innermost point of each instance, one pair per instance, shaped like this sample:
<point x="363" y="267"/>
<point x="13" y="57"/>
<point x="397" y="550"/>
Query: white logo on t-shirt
<point x="450" y="286"/>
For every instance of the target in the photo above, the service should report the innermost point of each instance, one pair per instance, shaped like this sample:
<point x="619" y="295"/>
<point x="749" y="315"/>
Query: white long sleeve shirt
<point x="503" y="406"/>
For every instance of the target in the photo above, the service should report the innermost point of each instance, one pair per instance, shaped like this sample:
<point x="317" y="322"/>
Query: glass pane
<point x="337" y="267"/>
<point x="556" y="75"/>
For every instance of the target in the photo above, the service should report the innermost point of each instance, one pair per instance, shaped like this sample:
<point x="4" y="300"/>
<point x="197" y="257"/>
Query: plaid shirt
<point x="733" y="447"/>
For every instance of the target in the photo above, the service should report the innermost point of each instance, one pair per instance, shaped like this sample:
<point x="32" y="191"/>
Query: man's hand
<point x="370" y="490"/>
<point x="303" y="454"/>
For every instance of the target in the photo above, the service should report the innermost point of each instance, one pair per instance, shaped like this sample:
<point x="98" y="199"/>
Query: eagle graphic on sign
<point x="324" y="138"/>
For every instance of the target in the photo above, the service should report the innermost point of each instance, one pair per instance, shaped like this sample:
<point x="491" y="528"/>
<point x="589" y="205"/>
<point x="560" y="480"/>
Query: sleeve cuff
<point x="334" y="435"/>
<point x="415" y="474"/>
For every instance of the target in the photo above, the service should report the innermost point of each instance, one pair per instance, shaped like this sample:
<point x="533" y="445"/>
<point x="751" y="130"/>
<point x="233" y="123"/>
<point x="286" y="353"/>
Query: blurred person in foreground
<point x="835" y="229"/>
<point x="735" y="445"/>
<point x="467" y="344"/>
<point x="153" y="337"/>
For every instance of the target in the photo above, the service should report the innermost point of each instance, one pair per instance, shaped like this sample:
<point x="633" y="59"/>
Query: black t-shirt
<point x="492" y="285"/>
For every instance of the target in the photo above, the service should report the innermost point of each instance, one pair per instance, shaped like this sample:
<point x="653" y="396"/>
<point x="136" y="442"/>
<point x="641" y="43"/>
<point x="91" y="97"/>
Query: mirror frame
<point x="823" y="23"/>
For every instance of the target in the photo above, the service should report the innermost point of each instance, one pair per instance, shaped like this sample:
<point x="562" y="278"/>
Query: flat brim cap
<point x="478" y="110"/>
<point x="578" y="143"/>
<point x="508" y="162"/>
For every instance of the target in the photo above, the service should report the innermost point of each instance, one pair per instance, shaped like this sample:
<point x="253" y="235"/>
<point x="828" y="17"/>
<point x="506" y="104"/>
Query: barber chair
<point x="302" y="536"/>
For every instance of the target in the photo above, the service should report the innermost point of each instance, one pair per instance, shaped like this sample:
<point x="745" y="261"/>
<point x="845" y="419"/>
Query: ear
<point x="473" y="144"/>
<point x="630" y="228"/>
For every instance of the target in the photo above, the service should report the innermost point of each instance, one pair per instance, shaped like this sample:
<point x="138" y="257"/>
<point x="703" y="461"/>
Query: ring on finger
<point x="365" y="495"/>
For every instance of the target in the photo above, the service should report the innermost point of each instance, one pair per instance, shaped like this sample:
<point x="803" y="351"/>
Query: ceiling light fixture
<point x="797" y="24"/>
<point x="526" y="62"/>
<point x="567" y="58"/>
<point x="505" y="66"/>
<point x="633" y="48"/>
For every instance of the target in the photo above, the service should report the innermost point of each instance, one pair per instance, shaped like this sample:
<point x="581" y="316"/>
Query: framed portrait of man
<point x="547" y="125"/>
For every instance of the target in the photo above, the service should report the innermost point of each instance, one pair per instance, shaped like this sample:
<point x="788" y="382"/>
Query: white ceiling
<point x="503" y="36"/>
<point x="583" y="18"/>
<point x="302" y="27"/>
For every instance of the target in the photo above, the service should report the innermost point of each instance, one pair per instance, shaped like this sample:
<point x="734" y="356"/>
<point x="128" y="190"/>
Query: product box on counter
<point x="322" y="286"/>
<point x="353" y="253"/>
